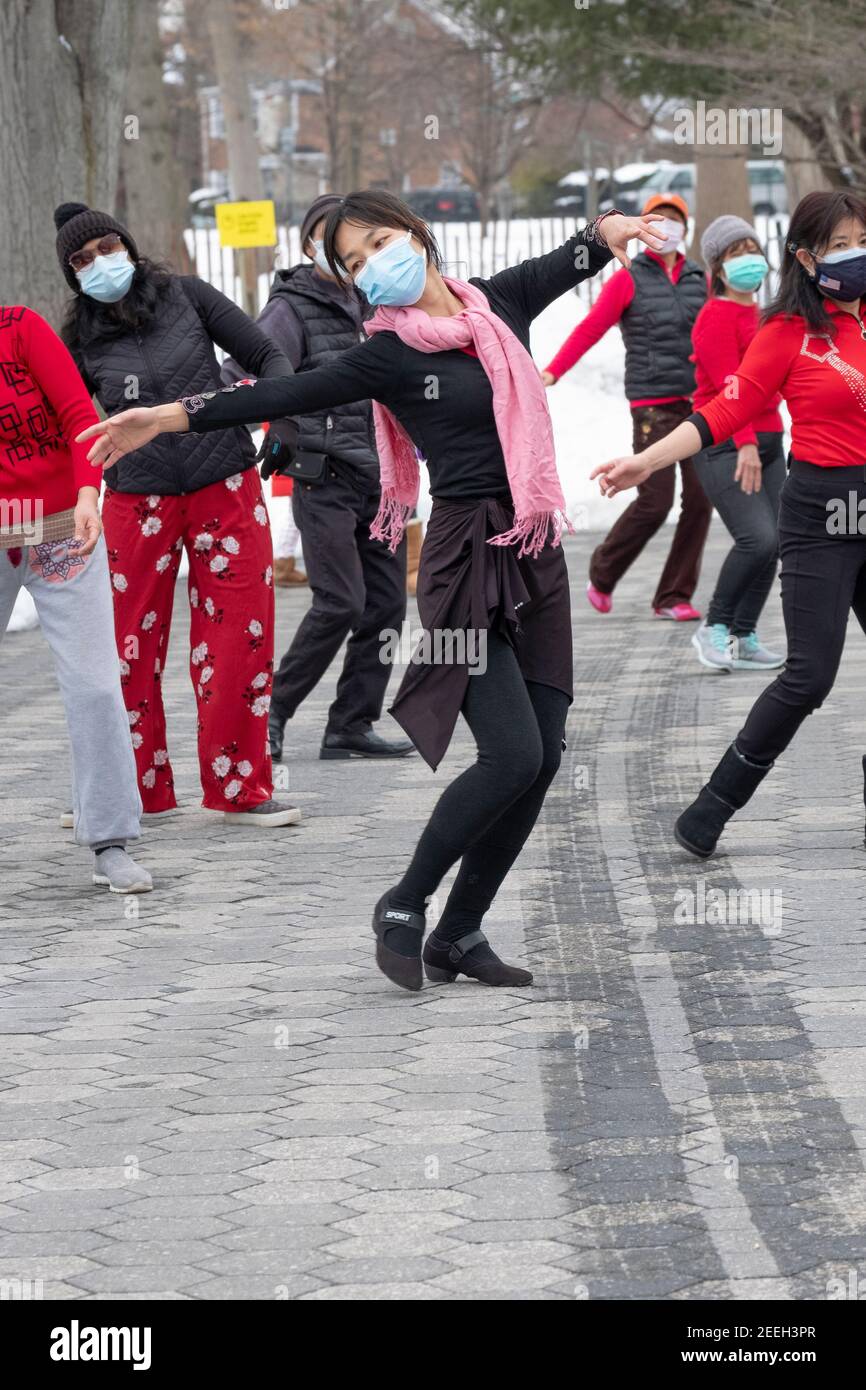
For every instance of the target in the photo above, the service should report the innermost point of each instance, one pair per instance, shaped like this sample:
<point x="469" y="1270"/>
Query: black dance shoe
<point x="473" y="956"/>
<point x="399" y="935"/>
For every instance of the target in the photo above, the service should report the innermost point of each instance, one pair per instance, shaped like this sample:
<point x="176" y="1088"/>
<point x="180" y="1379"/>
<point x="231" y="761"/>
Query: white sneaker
<point x="751" y="655"/>
<point x="713" y="646"/>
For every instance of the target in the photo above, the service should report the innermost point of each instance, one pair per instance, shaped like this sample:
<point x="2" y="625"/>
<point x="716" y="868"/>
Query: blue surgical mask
<point x="746" y="272"/>
<point x="842" y="274"/>
<point x="395" y="275"/>
<point x="321" y="260"/>
<point x="107" y="278"/>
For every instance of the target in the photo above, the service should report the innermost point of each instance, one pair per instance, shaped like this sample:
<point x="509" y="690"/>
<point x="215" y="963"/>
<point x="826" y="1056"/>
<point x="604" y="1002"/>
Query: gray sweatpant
<point x="72" y="594"/>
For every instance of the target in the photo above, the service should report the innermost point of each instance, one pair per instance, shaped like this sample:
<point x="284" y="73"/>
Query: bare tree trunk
<point x="154" y="200"/>
<point x="63" y="66"/>
<point x="805" y="172"/>
<point x="721" y="185"/>
<point x="245" y="179"/>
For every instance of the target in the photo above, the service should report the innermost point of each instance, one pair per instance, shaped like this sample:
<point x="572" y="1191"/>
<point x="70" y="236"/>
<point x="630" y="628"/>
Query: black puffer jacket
<point x="174" y="357"/>
<point x="657" y="328"/>
<point x="313" y="320"/>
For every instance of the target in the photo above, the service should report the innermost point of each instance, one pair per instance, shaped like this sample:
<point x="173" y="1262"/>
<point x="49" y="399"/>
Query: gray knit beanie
<point x="722" y="233"/>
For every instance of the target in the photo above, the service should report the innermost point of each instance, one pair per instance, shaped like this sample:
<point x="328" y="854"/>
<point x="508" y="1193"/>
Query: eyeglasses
<point x="106" y="246"/>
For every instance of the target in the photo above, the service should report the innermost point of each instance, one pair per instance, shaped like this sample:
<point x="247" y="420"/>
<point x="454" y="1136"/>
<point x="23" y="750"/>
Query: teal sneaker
<point x="751" y="655"/>
<point x="713" y="646"/>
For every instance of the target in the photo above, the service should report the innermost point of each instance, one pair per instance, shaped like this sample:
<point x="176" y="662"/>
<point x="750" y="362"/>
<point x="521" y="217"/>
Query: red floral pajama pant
<point x="224" y="529"/>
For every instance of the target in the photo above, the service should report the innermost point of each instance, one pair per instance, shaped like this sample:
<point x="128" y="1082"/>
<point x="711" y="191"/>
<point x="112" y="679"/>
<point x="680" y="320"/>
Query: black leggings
<point x="485" y="816"/>
<point x="747" y="575"/>
<point x="823" y="580"/>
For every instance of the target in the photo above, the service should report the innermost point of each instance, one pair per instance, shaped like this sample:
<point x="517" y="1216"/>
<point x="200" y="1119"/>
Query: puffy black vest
<point x="331" y="326"/>
<point x="657" y="328"/>
<point x="174" y="358"/>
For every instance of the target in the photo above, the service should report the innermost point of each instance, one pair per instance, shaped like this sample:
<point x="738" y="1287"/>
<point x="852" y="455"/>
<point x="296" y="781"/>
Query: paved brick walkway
<point x="221" y="1097"/>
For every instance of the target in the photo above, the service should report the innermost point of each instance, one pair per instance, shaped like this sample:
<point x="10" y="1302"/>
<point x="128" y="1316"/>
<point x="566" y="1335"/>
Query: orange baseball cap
<point x="667" y="200"/>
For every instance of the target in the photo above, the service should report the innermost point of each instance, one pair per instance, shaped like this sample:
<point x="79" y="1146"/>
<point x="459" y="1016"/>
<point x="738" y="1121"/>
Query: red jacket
<point x="722" y="332"/>
<point x="823" y="382"/>
<point x="43" y="405"/>
<point x="616" y="295"/>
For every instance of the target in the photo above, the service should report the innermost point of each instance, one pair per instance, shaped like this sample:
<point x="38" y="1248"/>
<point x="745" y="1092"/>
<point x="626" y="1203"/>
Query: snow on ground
<point x="591" y="418"/>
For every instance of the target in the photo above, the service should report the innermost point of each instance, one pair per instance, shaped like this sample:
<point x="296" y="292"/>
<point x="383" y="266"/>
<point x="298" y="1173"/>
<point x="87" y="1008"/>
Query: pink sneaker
<point x="680" y="613"/>
<point x="602" y="603"/>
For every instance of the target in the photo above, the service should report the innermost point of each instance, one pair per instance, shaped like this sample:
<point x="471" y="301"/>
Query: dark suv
<point x="444" y="204"/>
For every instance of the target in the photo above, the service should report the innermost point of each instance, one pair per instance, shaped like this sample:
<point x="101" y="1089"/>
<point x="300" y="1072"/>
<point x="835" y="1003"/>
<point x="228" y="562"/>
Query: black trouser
<point x="358" y="587"/>
<point x="486" y="814"/>
<point x="747" y="575"/>
<point x="823" y="580"/>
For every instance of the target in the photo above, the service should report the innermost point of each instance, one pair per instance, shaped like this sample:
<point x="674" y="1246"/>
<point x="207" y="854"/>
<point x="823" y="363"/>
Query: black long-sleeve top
<point x="443" y="400"/>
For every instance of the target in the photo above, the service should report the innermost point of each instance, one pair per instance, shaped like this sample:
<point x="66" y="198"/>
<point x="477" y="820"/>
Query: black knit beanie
<point x="315" y="212"/>
<point x="76" y="223"/>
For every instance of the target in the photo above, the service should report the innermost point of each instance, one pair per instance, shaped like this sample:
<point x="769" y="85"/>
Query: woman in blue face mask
<point x="448" y="369"/>
<point x="133" y="328"/>
<point x="742" y="476"/>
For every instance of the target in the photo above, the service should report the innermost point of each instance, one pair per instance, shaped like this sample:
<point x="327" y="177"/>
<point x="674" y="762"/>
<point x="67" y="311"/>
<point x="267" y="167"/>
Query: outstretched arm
<point x="370" y="370"/>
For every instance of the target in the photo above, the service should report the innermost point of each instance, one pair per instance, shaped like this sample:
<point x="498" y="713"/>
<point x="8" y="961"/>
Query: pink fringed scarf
<point x="519" y="408"/>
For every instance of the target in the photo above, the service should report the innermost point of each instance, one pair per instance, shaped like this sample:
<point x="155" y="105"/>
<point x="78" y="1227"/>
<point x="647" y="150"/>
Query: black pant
<point x="486" y="814"/>
<point x="747" y="574"/>
<point x="823" y="580"/>
<point x="358" y="587"/>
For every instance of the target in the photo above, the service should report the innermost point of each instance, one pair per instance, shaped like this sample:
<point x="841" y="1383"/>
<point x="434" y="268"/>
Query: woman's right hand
<point x="121" y="434"/>
<point x="618" y="474"/>
<point x="748" y="473"/>
<point x="548" y="378"/>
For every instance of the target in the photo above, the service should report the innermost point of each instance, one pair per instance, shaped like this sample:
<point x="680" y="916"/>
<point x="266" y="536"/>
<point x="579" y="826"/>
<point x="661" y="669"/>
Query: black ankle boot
<point x="472" y="955"/>
<point x="730" y="787"/>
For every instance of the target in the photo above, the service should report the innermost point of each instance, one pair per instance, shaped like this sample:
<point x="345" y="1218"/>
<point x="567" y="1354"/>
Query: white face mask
<point x="671" y="231"/>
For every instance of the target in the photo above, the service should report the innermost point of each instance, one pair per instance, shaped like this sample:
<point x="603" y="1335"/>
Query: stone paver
<point x="210" y="1092"/>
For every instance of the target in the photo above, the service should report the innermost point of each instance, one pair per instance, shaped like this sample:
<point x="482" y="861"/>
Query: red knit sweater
<point x="722" y="332"/>
<point x="43" y="405"/>
<point x="822" y="379"/>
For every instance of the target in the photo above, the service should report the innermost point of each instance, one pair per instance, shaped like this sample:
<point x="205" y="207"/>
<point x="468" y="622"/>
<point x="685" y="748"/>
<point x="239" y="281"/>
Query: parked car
<point x="767" y="186"/>
<point x="445" y="204"/>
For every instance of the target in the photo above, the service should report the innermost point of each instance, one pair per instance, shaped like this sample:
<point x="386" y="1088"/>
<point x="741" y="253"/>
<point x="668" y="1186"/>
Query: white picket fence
<point x="465" y="251"/>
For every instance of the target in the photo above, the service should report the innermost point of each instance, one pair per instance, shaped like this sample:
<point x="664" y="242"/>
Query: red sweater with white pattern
<point x="43" y="405"/>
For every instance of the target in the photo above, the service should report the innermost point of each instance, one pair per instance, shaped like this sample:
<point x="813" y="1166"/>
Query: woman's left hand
<point x="88" y="523"/>
<point x="618" y="230"/>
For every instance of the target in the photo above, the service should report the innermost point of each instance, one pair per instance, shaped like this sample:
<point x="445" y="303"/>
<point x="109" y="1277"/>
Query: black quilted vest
<point x="331" y="326"/>
<point x="174" y="358"/>
<point x="657" y="328"/>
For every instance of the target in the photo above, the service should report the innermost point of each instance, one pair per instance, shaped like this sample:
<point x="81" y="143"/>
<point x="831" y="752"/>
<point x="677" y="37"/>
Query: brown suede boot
<point x="286" y="576"/>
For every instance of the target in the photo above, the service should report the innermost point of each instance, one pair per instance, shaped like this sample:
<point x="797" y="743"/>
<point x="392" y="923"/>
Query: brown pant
<point x="639" y="522"/>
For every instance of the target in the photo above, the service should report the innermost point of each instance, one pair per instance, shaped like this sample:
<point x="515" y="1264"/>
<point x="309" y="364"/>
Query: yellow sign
<point x="246" y="224"/>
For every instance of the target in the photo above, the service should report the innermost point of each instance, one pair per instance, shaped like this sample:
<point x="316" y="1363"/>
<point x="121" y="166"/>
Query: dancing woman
<point x="448" y="369"/>
<point x="812" y="349"/>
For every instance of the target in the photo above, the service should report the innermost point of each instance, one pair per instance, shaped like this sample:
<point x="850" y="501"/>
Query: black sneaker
<point x="473" y="956"/>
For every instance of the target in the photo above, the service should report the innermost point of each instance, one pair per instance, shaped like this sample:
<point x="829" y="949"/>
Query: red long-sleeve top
<point x="722" y="332"/>
<point x="616" y="295"/>
<point x="43" y="405"/>
<point x="822" y="378"/>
